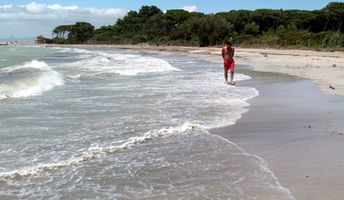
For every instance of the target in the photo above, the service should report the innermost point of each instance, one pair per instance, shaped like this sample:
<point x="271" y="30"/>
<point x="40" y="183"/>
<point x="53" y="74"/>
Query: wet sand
<point x="298" y="130"/>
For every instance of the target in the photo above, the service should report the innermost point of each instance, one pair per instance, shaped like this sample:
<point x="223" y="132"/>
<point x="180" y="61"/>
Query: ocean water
<point x="120" y="124"/>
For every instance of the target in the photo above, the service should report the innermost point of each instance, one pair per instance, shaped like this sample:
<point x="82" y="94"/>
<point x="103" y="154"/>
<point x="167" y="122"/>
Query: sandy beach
<point x="295" y="127"/>
<point x="298" y="130"/>
<point x="325" y="68"/>
<point x="295" y="124"/>
<point x="292" y="125"/>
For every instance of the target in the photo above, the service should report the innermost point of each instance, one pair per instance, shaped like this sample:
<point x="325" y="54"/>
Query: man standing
<point x="228" y="61"/>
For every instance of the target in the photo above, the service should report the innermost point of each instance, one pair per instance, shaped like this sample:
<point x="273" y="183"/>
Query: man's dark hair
<point x="228" y="42"/>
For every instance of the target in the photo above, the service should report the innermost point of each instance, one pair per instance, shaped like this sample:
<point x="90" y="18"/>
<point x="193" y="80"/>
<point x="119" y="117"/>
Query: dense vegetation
<point x="298" y="28"/>
<point x="80" y="32"/>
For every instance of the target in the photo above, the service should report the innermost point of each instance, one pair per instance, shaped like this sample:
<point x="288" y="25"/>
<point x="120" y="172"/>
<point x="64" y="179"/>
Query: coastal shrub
<point x="322" y="28"/>
<point x="251" y="28"/>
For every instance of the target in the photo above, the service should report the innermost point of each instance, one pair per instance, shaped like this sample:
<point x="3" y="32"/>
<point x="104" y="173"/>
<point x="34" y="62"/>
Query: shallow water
<point x="83" y="123"/>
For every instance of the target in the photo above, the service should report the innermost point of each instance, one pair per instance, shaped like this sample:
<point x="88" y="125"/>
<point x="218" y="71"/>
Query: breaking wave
<point x="28" y="79"/>
<point x="116" y="63"/>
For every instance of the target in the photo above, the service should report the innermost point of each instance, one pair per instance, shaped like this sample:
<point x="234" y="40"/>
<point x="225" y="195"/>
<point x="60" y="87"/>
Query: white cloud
<point x="35" y="18"/>
<point x="59" y="7"/>
<point x="36" y="8"/>
<point x="192" y="8"/>
<point x="9" y="6"/>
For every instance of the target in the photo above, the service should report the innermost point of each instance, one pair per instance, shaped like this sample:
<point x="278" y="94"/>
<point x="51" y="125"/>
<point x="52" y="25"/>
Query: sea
<point x="81" y="123"/>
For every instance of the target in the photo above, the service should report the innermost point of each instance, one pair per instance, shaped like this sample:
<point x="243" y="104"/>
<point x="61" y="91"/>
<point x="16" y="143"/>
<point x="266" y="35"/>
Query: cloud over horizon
<point x="192" y="8"/>
<point x="34" y="18"/>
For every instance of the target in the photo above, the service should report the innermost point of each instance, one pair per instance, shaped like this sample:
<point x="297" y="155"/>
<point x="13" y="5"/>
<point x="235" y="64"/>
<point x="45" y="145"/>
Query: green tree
<point x="211" y="30"/>
<point x="277" y="27"/>
<point x="335" y="16"/>
<point x="81" y="32"/>
<point x="269" y="19"/>
<point x="130" y="24"/>
<point x="238" y="19"/>
<point x="251" y="28"/>
<point x="108" y="34"/>
<point x="61" y="32"/>
<point x="148" y="11"/>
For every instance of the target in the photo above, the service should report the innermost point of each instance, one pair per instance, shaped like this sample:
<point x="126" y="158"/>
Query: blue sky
<point x="206" y="6"/>
<point x="27" y="18"/>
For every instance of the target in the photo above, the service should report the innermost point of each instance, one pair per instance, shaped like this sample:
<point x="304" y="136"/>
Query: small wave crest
<point x="121" y="64"/>
<point x="71" y="50"/>
<point x="96" y="151"/>
<point x="79" y="77"/>
<point x="28" y="79"/>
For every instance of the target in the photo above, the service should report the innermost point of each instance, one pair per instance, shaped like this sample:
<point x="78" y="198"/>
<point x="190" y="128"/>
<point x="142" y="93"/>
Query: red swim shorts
<point x="229" y="65"/>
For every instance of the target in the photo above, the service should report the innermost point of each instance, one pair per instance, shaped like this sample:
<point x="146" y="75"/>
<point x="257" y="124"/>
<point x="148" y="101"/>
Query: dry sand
<point x="325" y="68"/>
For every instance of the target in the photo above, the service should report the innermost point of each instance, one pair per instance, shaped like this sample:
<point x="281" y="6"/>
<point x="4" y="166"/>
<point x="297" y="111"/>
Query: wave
<point x="28" y="79"/>
<point x="116" y="63"/>
<point x="79" y="77"/>
<point x="71" y="50"/>
<point x="95" y="152"/>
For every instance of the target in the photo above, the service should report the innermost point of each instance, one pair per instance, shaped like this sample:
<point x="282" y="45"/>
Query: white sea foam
<point x="31" y="78"/>
<point x="72" y="50"/>
<point x="96" y="151"/>
<point x="213" y="103"/>
<point x="78" y="77"/>
<point x="233" y="108"/>
<point x="242" y="77"/>
<point x="121" y="64"/>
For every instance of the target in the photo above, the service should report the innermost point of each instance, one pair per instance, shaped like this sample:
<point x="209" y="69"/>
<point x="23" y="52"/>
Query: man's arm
<point x="223" y="53"/>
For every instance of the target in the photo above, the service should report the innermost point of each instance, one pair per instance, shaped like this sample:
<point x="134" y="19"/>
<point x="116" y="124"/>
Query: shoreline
<point x="298" y="131"/>
<point x="325" y="68"/>
<point x="299" y="137"/>
<point x="292" y="125"/>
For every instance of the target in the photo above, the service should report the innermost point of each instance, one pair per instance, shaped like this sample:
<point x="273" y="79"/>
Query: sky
<point x="27" y="18"/>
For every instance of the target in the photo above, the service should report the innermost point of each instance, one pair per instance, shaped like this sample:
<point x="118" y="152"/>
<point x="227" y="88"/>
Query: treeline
<point x="315" y="29"/>
<point x="78" y="33"/>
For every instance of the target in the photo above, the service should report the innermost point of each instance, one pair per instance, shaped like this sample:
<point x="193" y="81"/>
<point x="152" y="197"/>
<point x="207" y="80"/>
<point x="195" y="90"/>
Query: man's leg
<point x="226" y="76"/>
<point x="231" y="66"/>
<point x="232" y="78"/>
<point x="226" y="68"/>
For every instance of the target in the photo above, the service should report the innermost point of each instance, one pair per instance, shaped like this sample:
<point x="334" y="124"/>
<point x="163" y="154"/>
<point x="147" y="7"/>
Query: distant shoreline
<point x="325" y="68"/>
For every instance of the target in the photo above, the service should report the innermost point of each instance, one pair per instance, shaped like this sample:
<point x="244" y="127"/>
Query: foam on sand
<point x="95" y="152"/>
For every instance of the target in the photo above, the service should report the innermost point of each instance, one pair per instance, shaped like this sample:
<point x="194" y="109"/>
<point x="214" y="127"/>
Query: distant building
<point x="42" y="40"/>
<point x="7" y="43"/>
